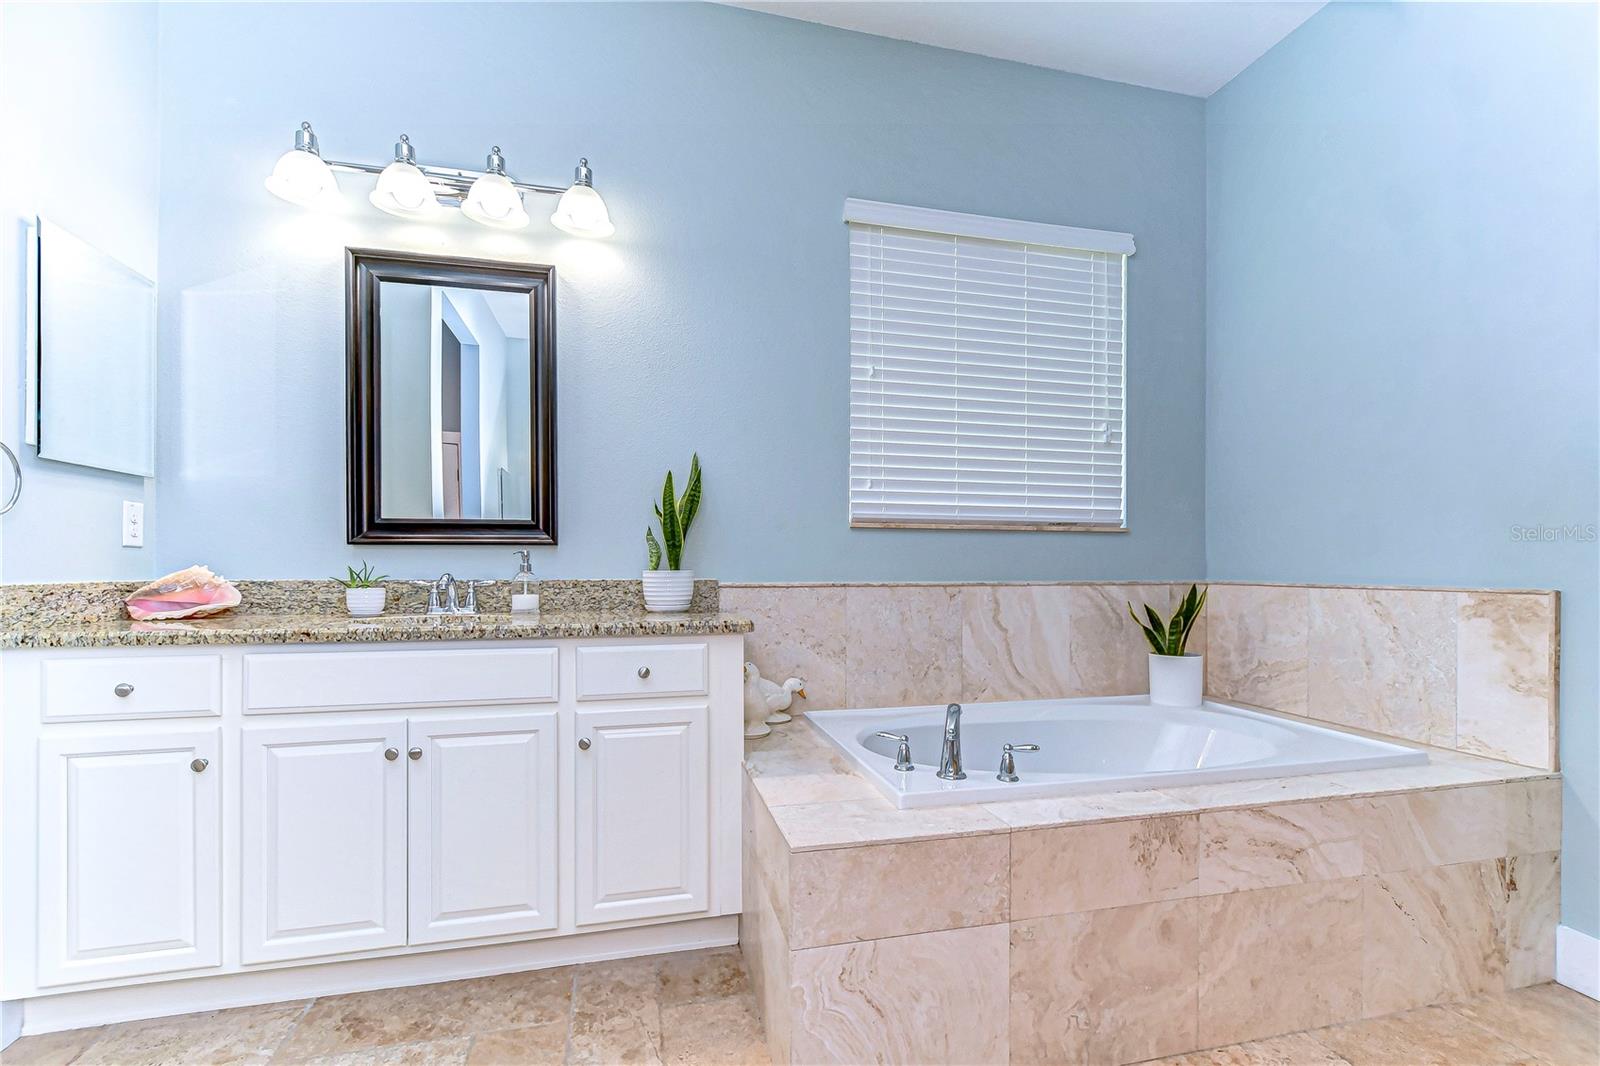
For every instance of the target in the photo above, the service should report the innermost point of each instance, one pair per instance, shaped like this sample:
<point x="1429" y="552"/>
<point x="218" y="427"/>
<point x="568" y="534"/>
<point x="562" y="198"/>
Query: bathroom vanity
<point x="269" y="808"/>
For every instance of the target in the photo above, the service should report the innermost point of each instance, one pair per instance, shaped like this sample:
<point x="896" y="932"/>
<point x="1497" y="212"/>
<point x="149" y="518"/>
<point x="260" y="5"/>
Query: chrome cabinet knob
<point x="391" y="754"/>
<point x="123" y="690"/>
<point x="415" y="753"/>
<point x="644" y="672"/>
<point x="199" y="765"/>
<point x="583" y="745"/>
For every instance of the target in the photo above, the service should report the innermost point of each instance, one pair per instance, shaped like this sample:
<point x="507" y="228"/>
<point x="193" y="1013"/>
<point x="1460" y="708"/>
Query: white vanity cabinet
<point x="267" y="822"/>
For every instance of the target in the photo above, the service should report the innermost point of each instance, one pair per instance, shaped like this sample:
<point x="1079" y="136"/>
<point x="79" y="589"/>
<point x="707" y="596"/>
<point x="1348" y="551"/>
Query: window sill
<point x="1016" y="527"/>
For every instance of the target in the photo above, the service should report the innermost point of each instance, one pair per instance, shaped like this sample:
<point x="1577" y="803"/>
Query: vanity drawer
<point x="146" y="686"/>
<point x="632" y="671"/>
<point x="345" y="680"/>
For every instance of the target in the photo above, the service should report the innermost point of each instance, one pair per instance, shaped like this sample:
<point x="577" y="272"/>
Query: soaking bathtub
<point x="1099" y="744"/>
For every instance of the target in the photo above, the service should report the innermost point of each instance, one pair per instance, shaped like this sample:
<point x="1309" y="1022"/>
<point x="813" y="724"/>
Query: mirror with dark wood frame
<point x="451" y="375"/>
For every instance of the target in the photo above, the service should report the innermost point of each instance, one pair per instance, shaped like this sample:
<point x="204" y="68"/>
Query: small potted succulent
<point x="364" y="594"/>
<point x="1177" y="676"/>
<point x="672" y="589"/>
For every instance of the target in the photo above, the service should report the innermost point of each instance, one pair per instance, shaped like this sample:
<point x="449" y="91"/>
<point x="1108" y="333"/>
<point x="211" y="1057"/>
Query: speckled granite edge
<point x="90" y="602"/>
<point x="262" y="628"/>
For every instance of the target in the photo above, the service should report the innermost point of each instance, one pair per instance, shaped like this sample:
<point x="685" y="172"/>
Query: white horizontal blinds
<point x="986" y="381"/>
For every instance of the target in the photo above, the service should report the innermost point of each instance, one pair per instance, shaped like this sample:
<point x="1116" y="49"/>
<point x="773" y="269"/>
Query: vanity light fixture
<point x="493" y="200"/>
<point x="580" y="211"/>
<point x="300" y="176"/>
<point x="402" y="189"/>
<point x="415" y="190"/>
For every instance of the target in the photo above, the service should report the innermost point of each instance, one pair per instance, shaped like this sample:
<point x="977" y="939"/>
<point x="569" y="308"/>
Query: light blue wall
<point x="82" y="149"/>
<point x="1402" y="343"/>
<point x="725" y="143"/>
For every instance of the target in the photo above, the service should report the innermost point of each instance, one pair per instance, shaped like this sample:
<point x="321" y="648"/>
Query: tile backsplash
<point x="1470" y="670"/>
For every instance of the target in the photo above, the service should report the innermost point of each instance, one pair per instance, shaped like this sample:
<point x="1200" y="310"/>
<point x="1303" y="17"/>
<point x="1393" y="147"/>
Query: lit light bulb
<point x="580" y="211"/>
<point x="493" y="200"/>
<point x="404" y="190"/>
<point x="300" y="176"/>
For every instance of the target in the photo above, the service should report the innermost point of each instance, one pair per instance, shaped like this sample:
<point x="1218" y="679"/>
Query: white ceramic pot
<point x="1177" y="680"/>
<point x="364" y="603"/>
<point x="668" y="590"/>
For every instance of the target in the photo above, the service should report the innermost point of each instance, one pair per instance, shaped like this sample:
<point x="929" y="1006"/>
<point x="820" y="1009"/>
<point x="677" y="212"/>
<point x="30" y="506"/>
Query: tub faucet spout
<point x="950" y="755"/>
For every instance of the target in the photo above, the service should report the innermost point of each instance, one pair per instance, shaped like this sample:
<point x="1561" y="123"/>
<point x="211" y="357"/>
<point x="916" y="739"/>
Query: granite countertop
<point x="819" y="802"/>
<point x="246" y="627"/>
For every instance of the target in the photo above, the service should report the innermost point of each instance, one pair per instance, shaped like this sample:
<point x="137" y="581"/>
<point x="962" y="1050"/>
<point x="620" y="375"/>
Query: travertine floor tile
<point x="713" y="1032"/>
<point x="536" y="1045"/>
<point x="1432" y="1036"/>
<point x="243" y="1035"/>
<point x="692" y="976"/>
<point x="49" y="1049"/>
<point x="451" y="1052"/>
<point x="1296" y="1049"/>
<point x="339" y="1024"/>
<point x="1556" y="1024"/>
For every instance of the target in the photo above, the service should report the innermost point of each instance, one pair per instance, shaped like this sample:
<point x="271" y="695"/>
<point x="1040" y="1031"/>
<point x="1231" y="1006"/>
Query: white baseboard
<point x="1578" y="961"/>
<point x="10" y="1022"/>
<point x="102" y="1006"/>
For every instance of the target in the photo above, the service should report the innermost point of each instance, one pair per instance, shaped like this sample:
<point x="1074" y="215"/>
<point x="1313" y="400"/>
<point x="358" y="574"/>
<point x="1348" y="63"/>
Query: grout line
<point x="572" y="1014"/>
<point x="293" y="1028"/>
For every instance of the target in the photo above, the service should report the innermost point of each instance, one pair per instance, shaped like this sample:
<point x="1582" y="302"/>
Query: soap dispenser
<point x="524" y="586"/>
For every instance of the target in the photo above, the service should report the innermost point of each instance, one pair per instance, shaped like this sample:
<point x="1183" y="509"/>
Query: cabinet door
<point x="642" y="813"/>
<point x="324" y="843"/>
<point x="483" y="806"/>
<point x="130" y="857"/>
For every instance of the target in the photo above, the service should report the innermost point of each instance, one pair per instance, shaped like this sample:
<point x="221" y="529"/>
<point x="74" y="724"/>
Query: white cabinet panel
<point x="484" y="799"/>
<point x="132" y="686"/>
<point x="641" y="813"/>
<point x="130" y="856"/>
<point x="280" y="682"/>
<point x="324" y="844"/>
<point x="640" y="671"/>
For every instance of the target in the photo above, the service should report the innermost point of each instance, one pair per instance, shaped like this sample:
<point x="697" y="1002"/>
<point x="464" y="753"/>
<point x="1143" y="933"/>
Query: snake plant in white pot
<point x="672" y="589"/>
<point x="1177" y="677"/>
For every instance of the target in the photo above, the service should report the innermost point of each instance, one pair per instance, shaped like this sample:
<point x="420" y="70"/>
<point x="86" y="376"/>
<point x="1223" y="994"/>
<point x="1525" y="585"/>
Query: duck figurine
<point x="766" y="703"/>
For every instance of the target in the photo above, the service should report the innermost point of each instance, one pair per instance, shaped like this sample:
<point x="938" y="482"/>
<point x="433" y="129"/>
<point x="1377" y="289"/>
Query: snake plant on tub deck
<point x="676" y="515"/>
<point x="1171" y="638"/>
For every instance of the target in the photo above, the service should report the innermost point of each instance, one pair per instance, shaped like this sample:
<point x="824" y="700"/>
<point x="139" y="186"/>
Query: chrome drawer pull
<point x="123" y="690"/>
<point x="644" y="672"/>
<point x="199" y="765"/>
<point x="583" y="745"/>
<point x="391" y="754"/>
<point x="415" y="753"/>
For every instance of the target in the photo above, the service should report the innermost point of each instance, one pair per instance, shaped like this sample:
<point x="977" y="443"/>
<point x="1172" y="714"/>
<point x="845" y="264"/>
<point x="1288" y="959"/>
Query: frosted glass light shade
<point x="405" y="191"/>
<point x="301" y="177"/>
<point x="494" y="201"/>
<point x="582" y="213"/>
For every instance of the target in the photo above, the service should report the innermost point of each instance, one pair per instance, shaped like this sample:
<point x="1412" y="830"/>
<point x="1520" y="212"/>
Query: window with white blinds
<point x="986" y="372"/>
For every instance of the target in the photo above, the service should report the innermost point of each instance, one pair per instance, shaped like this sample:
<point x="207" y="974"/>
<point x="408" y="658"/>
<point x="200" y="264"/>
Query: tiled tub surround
<point x="1473" y="671"/>
<point x="1124" y="926"/>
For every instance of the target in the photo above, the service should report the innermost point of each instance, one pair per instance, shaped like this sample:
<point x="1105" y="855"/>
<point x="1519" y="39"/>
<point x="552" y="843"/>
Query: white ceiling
<point x="1194" y="48"/>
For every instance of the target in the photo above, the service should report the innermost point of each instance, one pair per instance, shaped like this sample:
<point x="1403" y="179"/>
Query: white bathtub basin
<point x="1094" y="745"/>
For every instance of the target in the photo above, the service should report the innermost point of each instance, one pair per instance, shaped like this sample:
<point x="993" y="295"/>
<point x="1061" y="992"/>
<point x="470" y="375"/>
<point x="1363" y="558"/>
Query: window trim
<point x="960" y="224"/>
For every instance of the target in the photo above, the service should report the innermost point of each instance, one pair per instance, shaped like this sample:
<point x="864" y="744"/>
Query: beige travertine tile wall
<point x="1470" y="670"/>
<point x="1473" y="671"/>
<point x="887" y="645"/>
<point x="1118" y="941"/>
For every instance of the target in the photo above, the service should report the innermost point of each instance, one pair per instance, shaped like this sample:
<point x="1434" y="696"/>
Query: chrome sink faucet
<point x="950" y="754"/>
<point x="444" y="596"/>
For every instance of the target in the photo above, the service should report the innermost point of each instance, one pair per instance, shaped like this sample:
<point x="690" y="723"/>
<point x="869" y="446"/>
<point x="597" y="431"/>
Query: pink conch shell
<point x="192" y="593"/>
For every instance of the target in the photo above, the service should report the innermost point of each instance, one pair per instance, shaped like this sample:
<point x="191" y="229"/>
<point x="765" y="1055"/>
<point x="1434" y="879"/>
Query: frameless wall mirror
<point x="92" y="332"/>
<point x="452" y="399"/>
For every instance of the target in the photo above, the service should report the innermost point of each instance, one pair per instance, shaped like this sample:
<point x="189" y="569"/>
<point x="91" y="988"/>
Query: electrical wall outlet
<point x="132" y="524"/>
